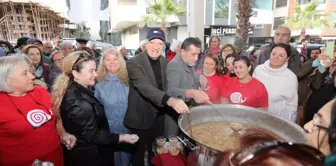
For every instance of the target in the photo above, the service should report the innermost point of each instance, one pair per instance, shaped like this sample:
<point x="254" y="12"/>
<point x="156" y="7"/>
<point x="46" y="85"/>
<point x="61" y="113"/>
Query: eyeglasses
<point x="227" y="51"/>
<point x="245" y="155"/>
<point x="317" y="123"/>
<point x="58" y="60"/>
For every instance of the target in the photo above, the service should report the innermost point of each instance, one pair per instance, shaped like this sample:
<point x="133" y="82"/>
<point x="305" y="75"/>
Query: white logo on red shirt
<point x="237" y="98"/>
<point x="38" y="117"/>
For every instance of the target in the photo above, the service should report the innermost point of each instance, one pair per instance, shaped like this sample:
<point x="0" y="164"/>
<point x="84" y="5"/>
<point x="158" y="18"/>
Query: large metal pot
<point x="206" y="156"/>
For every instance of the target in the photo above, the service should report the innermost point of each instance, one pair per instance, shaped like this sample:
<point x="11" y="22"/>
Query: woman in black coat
<point x="82" y="114"/>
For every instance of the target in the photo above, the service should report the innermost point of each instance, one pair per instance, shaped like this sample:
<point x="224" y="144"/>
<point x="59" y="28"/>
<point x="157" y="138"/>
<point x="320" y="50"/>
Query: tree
<point x="159" y="11"/>
<point x="307" y="17"/>
<point x="244" y="12"/>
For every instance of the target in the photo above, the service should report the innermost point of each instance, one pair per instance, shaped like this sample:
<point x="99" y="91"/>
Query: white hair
<point x="175" y="45"/>
<point x="284" y="27"/>
<point x="7" y="64"/>
<point x="143" y="42"/>
<point x="65" y="43"/>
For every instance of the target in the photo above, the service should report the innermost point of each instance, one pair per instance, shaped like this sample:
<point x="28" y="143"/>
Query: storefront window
<point x="221" y="8"/>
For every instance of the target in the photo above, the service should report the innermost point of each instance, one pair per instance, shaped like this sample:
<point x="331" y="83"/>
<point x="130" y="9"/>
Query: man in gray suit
<point x="147" y="99"/>
<point x="182" y="81"/>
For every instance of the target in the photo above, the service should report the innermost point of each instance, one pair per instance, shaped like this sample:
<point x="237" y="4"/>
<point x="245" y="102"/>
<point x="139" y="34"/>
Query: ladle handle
<point x="188" y="144"/>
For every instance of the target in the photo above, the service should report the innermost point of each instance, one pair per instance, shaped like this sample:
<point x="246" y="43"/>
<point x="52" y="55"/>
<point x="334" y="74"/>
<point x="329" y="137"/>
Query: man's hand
<point x="200" y="96"/>
<point x="178" y="105"/>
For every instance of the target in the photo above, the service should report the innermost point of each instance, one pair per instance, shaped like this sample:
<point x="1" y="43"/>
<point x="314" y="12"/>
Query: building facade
<point x="284" y="8"/>
<point x="219" y="19"/>
<point x="25" y="18"/>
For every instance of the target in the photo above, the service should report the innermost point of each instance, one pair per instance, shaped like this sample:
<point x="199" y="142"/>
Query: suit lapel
<point x="148" y="67"/>
<point x="163" y="65"/>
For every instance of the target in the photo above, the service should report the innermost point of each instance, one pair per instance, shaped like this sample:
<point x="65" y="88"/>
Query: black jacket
<point x="145" y="98"/>
<point x="83" y="116"/>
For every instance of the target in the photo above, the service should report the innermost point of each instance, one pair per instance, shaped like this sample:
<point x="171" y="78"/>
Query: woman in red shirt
<point x="211" y="71"/>
<point x="27" y="118"/>
<point x="244" y="89"/>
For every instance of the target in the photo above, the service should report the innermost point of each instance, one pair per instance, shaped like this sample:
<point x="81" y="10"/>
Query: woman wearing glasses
<point x="56" y="66"/>
<point x="83" y="115"/>
<point x="27" y="118"/>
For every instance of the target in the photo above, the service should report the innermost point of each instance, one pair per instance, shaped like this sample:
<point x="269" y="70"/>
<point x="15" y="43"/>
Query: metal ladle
<point x="235" y="127"/>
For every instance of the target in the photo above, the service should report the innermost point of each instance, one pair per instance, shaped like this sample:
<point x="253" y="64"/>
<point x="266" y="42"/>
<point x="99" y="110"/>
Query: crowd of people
<point x="72" y="106"/>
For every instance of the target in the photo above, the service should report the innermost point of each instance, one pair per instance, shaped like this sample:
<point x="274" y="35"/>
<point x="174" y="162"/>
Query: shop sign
<point x="225" y="30"/>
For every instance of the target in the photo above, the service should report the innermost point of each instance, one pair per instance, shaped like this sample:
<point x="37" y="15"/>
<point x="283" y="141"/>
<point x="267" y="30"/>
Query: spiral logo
<point x="237" y="98"/>
<point x="37" y="117"/>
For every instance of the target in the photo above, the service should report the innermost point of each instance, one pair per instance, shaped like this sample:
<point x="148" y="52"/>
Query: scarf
<point x="215" y="51"/>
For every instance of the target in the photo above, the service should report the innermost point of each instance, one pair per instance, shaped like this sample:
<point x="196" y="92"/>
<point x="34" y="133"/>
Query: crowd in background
<point x="73" y="105"/>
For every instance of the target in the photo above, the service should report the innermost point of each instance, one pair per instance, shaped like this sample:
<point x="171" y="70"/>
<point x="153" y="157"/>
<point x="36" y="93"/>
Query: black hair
<point x="245" y="59"/>
<point x="230" y="56"/>
<point x="285" y="46"/>
<point x="319" y="48"/>
<point x="303" y="40"/>
<point x="191" y="41"/>
<point x="291" y="40"/>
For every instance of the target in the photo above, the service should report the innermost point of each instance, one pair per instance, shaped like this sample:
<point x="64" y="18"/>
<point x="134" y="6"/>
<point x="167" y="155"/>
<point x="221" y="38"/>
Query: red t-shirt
<point x="20" y="142"/>
<point x="252" y="94"/>
<point x="213" y="90"/>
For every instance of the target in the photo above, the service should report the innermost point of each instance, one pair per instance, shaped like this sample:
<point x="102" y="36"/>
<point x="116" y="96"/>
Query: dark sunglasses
<point x="242" y="156"/>
<point x="82" y="55"/>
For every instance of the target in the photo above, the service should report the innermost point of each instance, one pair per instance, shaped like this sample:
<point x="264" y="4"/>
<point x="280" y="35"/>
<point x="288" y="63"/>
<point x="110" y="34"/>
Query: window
<point x="278" y="21"/>
<point x="262" y="4"/>
<point x="334" y="19"/>
<point x="280" y="3"/>
<point x="305" y="2"/>
<point x="221" y="8"/>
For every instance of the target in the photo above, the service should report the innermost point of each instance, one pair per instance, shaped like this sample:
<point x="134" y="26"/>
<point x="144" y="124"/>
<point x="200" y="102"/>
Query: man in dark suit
<point x="147" y="98"/>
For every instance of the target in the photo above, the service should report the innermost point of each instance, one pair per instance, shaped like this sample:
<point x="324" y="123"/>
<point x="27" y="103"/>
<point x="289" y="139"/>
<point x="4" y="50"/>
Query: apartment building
<point x="219" y="16"/>
<point x="284" y="8"/>
<point x="20" y="18"/>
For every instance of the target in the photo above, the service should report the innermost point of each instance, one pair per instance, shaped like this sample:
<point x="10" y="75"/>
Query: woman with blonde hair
<point x="112" y="91"/>
<point x="83" y="115"/>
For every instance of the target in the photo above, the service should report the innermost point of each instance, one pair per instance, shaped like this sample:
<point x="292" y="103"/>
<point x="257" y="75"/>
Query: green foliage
<point x="308" y="17"/>
<point x="160" y="10"/>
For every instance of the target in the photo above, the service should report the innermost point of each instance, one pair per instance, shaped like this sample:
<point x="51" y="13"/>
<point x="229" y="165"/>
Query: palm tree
<point x="244" y="12"/>
<point x="308" y="17"/>
<point x="159" y="11"/>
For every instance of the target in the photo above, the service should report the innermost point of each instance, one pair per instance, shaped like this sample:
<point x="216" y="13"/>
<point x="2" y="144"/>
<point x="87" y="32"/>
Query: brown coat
<point x="309" y="80"/>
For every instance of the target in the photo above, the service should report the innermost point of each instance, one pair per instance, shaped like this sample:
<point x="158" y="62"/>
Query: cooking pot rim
<point x="234" y="106"/>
